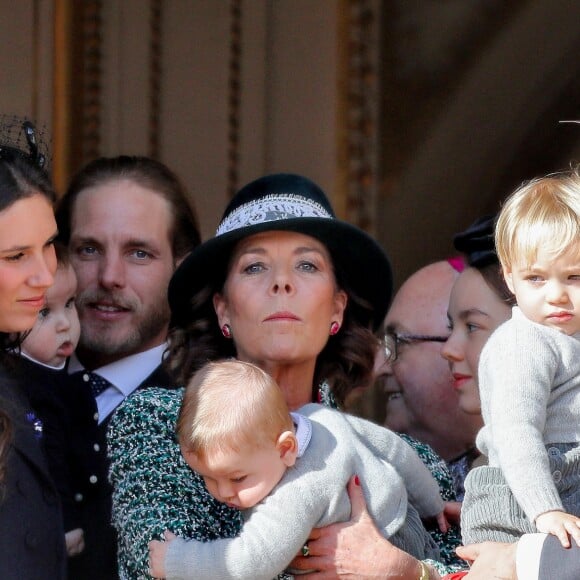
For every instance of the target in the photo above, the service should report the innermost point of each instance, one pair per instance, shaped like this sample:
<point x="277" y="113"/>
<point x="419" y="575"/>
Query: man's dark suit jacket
<point x="558" y="562"/>
<point x="91" y="488"/>
<point x="31" y="529"/>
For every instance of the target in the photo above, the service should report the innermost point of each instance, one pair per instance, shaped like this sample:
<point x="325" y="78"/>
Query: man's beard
<point x="103" y="340"/>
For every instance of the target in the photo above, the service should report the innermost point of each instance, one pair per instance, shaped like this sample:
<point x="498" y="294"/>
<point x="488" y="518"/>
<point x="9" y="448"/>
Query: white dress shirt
<point x="528" y="555"/>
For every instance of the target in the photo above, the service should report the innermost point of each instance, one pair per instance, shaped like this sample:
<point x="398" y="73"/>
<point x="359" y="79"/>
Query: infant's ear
<point x="287" y="445"/>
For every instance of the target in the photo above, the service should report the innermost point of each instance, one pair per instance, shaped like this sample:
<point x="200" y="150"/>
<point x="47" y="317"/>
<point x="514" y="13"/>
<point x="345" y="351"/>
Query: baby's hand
<point x="452" y="511"/>
<point x="561" y="525"/>
<point x="442" y="522"/>
<point x="157" y="552"/>
<point x="75" y="542"/>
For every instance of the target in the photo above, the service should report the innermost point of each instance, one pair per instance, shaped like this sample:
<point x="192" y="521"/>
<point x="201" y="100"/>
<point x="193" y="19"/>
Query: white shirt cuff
<point x="528" y="554"/>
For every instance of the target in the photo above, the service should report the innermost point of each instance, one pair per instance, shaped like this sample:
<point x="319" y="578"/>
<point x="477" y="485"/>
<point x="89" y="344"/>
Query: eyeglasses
<point x="393" y="341"/>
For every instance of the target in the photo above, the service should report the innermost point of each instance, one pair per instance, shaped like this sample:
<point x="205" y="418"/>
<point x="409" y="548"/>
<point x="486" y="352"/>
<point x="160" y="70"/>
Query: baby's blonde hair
<point x="543" y="213"/>
<point x="228" y="405"/>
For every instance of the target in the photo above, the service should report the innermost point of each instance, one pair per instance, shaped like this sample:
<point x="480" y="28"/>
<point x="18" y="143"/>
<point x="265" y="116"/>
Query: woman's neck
<point x="295" y="380"/>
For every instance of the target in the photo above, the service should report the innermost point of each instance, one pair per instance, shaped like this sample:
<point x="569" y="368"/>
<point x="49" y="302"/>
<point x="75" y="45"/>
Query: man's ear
<point x="507" y="274"/>
<point x="287" y="445"/>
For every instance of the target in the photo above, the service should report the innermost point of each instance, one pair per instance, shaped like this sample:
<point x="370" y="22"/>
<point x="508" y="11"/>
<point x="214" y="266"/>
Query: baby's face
<point x="56" y="332"/>
<point x="240" y="479"/>
<point x="548" y="291"/>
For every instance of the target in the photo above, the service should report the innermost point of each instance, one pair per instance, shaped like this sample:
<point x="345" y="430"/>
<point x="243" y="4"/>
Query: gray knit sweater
<point x="313" y="494"/>
<point x="529" y="380"/>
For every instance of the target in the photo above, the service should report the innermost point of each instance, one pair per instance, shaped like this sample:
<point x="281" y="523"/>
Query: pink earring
<point x="334" y="328"/>
<point x="227" y="331"/>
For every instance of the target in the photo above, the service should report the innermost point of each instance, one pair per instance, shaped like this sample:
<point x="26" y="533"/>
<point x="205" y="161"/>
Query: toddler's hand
<point x="157" y="553"/>
<point x="561" y="525"/>
<point x="75" y="542"/>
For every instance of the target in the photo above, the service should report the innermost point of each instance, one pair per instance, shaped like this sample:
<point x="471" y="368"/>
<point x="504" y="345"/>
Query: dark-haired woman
<point x="31" y="530"/>
<point x="479" y="302"/>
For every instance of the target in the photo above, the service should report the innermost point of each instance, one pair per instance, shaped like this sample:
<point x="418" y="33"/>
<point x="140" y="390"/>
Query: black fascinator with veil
<point x="20" y="138"/>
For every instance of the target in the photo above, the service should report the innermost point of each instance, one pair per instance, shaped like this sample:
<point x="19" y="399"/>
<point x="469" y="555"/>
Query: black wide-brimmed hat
<point x="288" y="202"/>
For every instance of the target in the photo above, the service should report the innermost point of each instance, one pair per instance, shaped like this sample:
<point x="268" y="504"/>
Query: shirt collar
<point x="303" y="431"/>
<point x="129" y="372"/>
<point x="32" y="359"/>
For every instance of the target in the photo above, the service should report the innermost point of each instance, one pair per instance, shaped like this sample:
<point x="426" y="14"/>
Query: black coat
<point x="31" y="529"/>
<point x="43" y="386"/>
<point x="91" y="488"/>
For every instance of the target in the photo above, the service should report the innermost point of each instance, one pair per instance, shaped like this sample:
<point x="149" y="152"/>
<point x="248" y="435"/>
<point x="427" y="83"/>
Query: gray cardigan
<point x="529" y="381"/>
<point x="313" y="494"/>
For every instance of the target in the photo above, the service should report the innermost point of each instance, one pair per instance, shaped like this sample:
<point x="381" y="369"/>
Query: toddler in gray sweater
<point x="288" y="472"/>
<point x="529" y="375"/>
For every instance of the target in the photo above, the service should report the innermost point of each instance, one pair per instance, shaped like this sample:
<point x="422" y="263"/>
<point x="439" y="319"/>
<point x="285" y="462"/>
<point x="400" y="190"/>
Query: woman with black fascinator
<point x="31" y="529"/>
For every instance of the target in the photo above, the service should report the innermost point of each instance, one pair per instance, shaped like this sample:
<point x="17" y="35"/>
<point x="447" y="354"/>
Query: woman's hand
<point x="157" y="553"/>
<point x="356" y="549"/>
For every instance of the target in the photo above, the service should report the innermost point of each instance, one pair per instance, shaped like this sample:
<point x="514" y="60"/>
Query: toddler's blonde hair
<point x="543" y="213"/>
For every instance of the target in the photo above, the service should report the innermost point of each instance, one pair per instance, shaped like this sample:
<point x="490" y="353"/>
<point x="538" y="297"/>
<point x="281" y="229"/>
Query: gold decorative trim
<point x="234" y="96"/>
<point x="342" y="171"/>
<point x="92" y="73"/>
<point x="155" y="71"/>
<point x="77" y="87"/>
<point x="61" y="86"/>
<point x="358" y="83"/>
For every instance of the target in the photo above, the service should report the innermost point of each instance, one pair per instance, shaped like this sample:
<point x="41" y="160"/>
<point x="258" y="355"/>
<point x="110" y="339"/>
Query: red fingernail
<point x="356" y="480"/>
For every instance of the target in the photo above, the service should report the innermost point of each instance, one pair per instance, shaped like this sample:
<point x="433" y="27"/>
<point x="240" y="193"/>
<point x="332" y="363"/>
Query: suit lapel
<point x="158" y="378"/>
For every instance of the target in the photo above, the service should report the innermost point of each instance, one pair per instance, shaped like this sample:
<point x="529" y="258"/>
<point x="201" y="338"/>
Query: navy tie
<point x="98" y="383"/>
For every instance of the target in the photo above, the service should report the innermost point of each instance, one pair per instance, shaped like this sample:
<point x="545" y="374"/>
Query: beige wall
<point x="288" y="71"/>
<point x="289" y="110"/>
<point x="26" y="52"/>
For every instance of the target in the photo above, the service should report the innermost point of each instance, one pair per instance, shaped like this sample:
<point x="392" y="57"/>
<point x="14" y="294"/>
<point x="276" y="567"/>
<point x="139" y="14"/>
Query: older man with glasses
<point x="418" y="386"/>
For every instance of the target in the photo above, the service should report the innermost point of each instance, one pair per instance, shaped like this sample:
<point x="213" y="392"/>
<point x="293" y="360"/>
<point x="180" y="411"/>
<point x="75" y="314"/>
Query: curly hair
<point x="346" y="361"/>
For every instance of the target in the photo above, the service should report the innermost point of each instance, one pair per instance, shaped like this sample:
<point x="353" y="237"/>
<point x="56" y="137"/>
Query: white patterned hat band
<point x="272" y="208"/>
<point x="292" y="203"/>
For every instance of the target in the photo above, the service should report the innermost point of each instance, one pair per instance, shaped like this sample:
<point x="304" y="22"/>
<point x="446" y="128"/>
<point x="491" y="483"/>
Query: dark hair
<point x="21" y="177"/>
<point x="62" y="254"/>
<point x="148" y="173"/>
<point x="478" y="245"/>
<point x="5" y="442"/>
<point x="346" y="361"/>
<point x="493" y="277"/>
